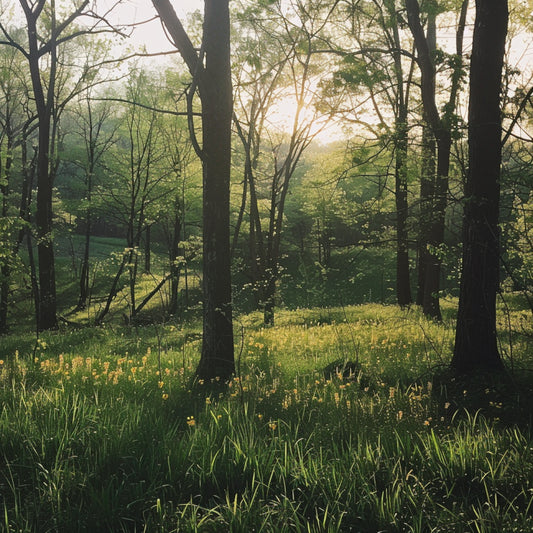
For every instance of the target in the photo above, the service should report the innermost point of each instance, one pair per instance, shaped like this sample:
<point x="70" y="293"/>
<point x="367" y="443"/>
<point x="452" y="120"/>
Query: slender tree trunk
<point x="442" y="130"/>
<point x="5" y="271"/>
<point x="437" y="220"/>
<point x="147" y="250"/>
<point x="174" y="267"/>
<point x="403" y="282"/>
<point x="476" y="346"/>
<point x="427" y="186"/>
<point x="45" y="244"/>
<point x="84" y="274"/>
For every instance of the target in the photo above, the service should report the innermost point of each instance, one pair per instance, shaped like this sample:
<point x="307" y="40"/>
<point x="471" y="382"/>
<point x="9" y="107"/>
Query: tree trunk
<point x="147" y="250"/>
<point x="217" y="359"/>
<point x="174" y="267"/>
<point x="437" y="220"/>
<point x="403" y="282"/>
<point x="427" y="185"/>
<point x="45" y="244"/>
<point x="47" y="317"/>
<point x="5" y="271"/>
<point x="84" y="274"/>
<point x="476" y="346"/>
<point x="441" y="126"/>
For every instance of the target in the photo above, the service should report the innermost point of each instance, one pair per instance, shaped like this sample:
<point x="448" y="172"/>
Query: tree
<point x="213" y="80"/>
<point x="442" y="125"/>
<point x="49" y="30"/>
<point x="91" y="120"/>
<point x="378" y="65"/>
<point x="476" y="346"/>
<point x="279" y="63"/>
<point x="15" y="125"/>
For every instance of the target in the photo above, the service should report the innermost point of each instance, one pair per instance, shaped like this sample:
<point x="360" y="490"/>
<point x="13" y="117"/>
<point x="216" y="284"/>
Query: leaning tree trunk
<point x="476" y="346"/>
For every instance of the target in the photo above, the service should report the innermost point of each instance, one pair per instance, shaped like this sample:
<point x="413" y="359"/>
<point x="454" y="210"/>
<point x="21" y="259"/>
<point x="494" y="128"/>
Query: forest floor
<point x="339" y="419"/>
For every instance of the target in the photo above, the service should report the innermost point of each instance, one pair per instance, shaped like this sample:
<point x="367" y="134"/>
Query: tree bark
<point x="476" y="346"/>
<point x="217" y="359"/>
<point x="441" y="126"/>
<point x="215" y="89"/>
<point x="47" y="317"/>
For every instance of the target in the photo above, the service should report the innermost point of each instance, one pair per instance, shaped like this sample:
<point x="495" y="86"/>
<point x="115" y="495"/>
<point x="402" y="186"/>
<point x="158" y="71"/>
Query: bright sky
<point x="151" y="35"/>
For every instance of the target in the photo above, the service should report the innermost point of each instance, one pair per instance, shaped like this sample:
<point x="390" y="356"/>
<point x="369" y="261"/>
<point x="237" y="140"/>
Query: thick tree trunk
<point x="476" y="346"/>
<point x="47" y="317"/>
<point x="214" y="84"/>
<point x="217" y="359"/>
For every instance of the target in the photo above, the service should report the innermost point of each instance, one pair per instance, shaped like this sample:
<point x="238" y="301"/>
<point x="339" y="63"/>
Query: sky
<point x="150" y="35"/>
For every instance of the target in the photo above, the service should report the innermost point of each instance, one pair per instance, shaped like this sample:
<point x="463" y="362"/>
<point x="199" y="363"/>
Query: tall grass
<point x="335" y="422"/>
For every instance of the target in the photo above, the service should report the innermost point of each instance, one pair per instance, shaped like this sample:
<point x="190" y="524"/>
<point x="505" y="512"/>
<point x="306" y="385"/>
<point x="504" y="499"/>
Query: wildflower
<point x="399" y="415"/>
<point x="272" y="425"/>
<point x="208" y="401"/>
<point x="1" y="362"/>
<point x="447" y="405"/>
<point x="426" y="422"/>
<point x="165" y="396"/>
<point x="260" y="416"/>
<point x="160" y="384"/>
<point x="191" y="422"/>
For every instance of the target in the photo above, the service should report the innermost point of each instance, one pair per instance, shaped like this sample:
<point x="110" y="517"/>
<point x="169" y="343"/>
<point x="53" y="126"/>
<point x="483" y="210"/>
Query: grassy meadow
<point x="340" y="419"/>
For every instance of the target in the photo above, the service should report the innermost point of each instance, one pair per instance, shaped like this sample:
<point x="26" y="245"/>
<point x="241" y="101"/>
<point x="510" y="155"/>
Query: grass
<point x="106" y="430"/>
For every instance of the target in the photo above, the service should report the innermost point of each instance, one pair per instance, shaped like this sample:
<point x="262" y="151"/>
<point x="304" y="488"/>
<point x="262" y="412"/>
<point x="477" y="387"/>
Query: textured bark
<point x="476" y="347"/>
<point x="217" y="109"/>
<point x="441" y="125"/>
<point x="403" y="281"/>
<point x="427" y="185"/>
<point x="214" y="85"/>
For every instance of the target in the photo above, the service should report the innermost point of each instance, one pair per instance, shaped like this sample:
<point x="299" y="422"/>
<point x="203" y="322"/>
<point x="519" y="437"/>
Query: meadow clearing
<point x="340" y="419"/>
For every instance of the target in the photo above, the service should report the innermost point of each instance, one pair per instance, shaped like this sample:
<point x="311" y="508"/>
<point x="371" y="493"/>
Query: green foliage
<point x="104" y="430"/>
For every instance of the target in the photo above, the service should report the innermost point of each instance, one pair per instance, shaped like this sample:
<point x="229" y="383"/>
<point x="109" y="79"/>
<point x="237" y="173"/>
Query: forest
<point x="266" y="266"/>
